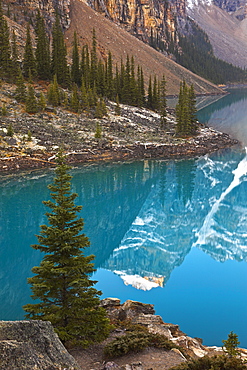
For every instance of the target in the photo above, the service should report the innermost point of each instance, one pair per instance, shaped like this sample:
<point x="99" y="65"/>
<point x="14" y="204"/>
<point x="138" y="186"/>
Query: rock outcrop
<point x="32" y="345"/>
<point x="146" y="19"/>
<point x="143" y="314"/>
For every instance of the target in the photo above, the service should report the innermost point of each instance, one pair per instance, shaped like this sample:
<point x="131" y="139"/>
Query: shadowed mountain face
<point x="226" y="32"/>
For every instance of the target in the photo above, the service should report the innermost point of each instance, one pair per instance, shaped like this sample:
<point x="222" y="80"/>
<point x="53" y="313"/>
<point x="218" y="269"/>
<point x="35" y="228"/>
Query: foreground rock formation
<point x="32" y="345"/>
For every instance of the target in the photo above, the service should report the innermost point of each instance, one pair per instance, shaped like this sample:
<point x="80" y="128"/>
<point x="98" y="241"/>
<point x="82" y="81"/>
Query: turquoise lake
<point x="170" y="233"/>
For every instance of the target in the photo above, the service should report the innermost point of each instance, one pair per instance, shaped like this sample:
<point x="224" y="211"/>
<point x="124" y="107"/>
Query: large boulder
<point x="32" y="345"/>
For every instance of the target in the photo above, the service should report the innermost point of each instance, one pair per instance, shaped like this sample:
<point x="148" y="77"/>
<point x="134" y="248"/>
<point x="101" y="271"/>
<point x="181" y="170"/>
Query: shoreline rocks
<point x="135" y="134"/>
<point x="207" y="141"/>
<point x="33" y="344"/>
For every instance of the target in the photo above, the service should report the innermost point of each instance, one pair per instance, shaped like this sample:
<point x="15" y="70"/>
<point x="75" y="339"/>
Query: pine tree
<point x="85" y="66"/>
<point x="116" y="83"/>
<point x="84" y="97"/>
<point x="98" y="131"/>
<point x="75" y="67"/>
<point x="15" y="56"/>
<point x="59" y="53"/>
<point x="162" y="102"/>
<point x="133" y="85"/>
<point x="42" y="102"/>
<point x="101" y="79"/>
<point x="5" y="54"/>
<point x="150" y="94"/>
<point x="31" y="101"/>
<point x="126" y="89"/>
<point x="186" y="111"/>
<point x="94" y="63"/>
<point x="74" y="103"/>
<point x="4" y="111"/>
<point x="20" y="91"/>
<point x="98" y="110"/>
<point x="178" y="110"/>
<point x="117" y="107"/>
<point x="155" y="101"/>
<point x="29" y="62"/>
<point x="42" y="52"/>
<point x="61" y="282"/>
<point x="140" y="88"/>
<point x="29" y="136"/>
<point x="192" y="108"/>
<point x="53" y="95"/>
<point x="10" y="131"/>
<point x="230" y="345"/>
<point x="109" y="78"/>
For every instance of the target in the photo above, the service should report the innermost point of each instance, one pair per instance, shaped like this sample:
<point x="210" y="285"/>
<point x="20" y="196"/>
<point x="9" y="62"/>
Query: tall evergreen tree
<point x="53" y="95"/>
<point x="59" y="52"/>
<point x="29" y="63"/>
<point x="42" y="52"/>
<point x="186" y="111"/>
<point x="140" y="87"/>
<point x="74" y="103"/>
<point x="84" y="97"/>
<point x="192" y="108"/>
<point x="75" y="67"/>
<point x="15" y="56"/>
<point x="61" y="282"/>
<point x="155" y="102"/>
<point x="85" y="66"/>
<point x="5" y="53"/>
<point x="162" y="102"/>
<point x="20" y="91"/>
<point x="101" y="79"/>
<point x="31" y="101"/>
<point x="126" y="78"/>
<point x="133" y="84"/>
<point x="109" y="77"/>
<point x="150" y="94"/>
<point x="94" y="63"/>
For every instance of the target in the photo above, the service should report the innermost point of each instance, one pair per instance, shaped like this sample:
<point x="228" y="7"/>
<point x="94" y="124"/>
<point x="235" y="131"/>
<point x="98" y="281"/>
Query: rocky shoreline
<point x="134" y="135"/>
<point x="34" y="345"/>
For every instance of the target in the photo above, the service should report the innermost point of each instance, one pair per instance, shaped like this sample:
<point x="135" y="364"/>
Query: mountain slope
<point x="227" y="34"/>
<point x="121" y="43"/>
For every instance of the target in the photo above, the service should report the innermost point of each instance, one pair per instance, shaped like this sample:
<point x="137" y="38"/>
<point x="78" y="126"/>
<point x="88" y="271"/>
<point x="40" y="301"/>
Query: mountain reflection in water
<point x="143" y="220"/>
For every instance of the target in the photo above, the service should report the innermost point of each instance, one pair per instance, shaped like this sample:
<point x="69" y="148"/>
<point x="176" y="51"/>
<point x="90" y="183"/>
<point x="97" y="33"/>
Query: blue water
<point x="170" y="233"/>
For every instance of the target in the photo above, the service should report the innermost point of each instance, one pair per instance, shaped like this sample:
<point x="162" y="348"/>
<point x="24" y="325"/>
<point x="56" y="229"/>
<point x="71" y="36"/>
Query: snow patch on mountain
<point x="190" y="4"/>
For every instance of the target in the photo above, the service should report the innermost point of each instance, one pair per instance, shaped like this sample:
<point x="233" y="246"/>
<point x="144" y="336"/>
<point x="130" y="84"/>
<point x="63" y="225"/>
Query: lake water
<point x="170" y="233"/>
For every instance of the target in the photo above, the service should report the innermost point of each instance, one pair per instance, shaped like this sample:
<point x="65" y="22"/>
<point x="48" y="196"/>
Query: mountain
<point x="121" y="43"/>
<point x="80" y="17"/>
<point x="226" y="26"/>
<point x="129" y="28"/>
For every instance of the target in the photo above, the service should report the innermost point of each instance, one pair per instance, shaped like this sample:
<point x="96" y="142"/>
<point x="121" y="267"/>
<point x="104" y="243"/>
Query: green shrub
<point x="136" y="341"/>
<point x="230" y="345"/>
<point x="213" y="363"/>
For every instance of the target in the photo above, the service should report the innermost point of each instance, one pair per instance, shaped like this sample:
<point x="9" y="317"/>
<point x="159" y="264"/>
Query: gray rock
<point x="110" y="302"/>
<point x="32" y="345"/>
<point x="110" y="365"/>
<point x="11" y="140"/>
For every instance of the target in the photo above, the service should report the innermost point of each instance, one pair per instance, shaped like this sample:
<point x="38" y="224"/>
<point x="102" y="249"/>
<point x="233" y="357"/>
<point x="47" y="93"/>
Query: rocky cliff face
<point x="149" y="20"/>
<point x="23" y="11"/>
<point x="236" y="7"/>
